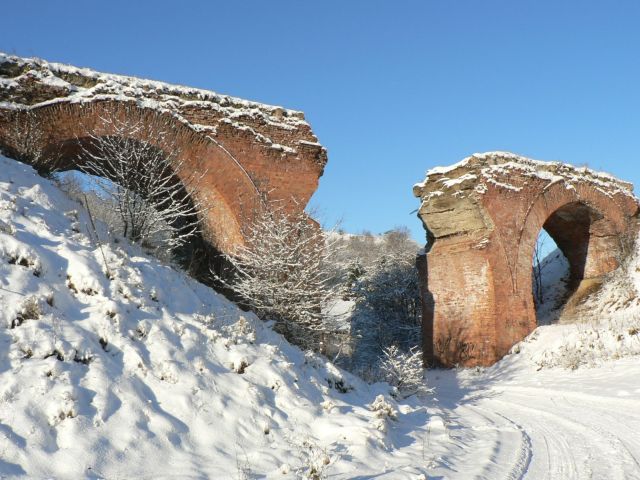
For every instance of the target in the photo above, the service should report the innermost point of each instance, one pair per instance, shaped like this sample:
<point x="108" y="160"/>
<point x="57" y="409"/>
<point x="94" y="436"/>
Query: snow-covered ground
<point x="144" y="373"/>
<point x="565" y="404"/>
<point x="513" y="421"/>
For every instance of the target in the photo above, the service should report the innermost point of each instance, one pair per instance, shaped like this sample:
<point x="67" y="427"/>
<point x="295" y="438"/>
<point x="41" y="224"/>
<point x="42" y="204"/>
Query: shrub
<point x="283" y="274"/>
<point x="404" y="371"/>
<point x="148" y="188"/>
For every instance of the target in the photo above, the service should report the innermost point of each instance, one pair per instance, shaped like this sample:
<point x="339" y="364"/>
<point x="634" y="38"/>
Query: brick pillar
<point x="458" y="304"/>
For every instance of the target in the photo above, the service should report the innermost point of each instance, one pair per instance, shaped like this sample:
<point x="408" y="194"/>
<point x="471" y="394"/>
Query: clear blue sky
<point x="391" y="88"/>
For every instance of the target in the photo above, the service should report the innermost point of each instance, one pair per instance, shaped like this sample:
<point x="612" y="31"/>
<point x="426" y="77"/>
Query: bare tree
<point x="27" y="138"/>
<point x="387" y="302"/>
<point x="283" y="273"/>
<point x="149" y="187"/>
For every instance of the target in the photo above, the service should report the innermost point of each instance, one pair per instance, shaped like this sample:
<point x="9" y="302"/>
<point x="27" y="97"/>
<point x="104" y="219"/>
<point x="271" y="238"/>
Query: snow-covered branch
<point x="283" y="273"/>
<point x="149" y="187"/>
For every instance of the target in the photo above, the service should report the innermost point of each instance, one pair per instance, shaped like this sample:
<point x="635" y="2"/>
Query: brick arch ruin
<point x="229" y="191"/>
<point x="251" y="154"/>
<point x="482" y="217"/>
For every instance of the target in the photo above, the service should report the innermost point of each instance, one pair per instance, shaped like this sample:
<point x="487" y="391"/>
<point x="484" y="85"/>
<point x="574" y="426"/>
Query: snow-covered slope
<point x="601" y="327"/>
<point x="553" y="274"/>
<point x="144" y="373"/>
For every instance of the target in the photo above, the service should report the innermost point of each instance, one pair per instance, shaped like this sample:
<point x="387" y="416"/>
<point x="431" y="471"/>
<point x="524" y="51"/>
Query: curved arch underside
<point x="252" y="153"/>
<point x="231" y="194"/>
<point x="226" y="187"/>
<point x="483" y="217"/>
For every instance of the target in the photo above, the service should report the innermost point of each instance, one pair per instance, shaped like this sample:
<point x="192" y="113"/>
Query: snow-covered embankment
<point x="145" y="373"/>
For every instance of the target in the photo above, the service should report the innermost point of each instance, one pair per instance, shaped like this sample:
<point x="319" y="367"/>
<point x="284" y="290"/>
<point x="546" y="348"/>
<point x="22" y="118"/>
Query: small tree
<point x="27" y="138"/>
<point x="283" y="273"/>
<point x="404" y="370"/>
<point x="387" y="301"/>
<point x="538" y="267"/>
<point x="148" y="187"/>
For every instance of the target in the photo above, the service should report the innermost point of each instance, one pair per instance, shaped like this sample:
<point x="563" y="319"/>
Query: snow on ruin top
<point x="32" y="83"/>
<point x="480" y="170"/>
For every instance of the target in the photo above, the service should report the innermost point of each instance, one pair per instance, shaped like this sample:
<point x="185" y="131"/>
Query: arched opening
<point x="230" y="193"/>
<point x="142" y="193"/>
<point x="566" y="263"/>
<point x="550" y="279"/>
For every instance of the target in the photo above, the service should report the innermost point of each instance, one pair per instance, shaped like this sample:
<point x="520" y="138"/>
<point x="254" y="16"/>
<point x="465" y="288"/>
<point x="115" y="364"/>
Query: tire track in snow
<point x="524" y="460"/>
<point x="503" y="445"/>
<point x="586" y="441"/>
<point x="557" y="461"/>
<point x="561" y="435"/>
<point x="606" y="421"/>
<point x="510" y="464"/>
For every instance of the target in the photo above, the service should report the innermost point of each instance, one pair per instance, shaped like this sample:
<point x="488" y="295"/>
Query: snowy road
<point x="554" y="424"/>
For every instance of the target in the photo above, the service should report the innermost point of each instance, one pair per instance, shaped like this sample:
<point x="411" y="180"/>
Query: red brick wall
<point x="240" y="172"/>
<point x="477" y="282"/>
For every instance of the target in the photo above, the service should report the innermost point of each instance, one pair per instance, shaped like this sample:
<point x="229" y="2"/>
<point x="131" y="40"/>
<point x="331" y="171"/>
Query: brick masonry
<point x="482" y="217"/>
<point x="254" y="154"/>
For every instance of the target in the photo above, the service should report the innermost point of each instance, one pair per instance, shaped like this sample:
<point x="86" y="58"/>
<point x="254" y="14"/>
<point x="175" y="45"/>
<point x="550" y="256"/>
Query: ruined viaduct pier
<point x="482" y="217"/>
<point x="251" y="154"/>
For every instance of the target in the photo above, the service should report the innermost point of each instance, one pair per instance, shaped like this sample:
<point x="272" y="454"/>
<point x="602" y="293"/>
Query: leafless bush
<point x="316" y="460"/>
<point x="148" y="187"/>
<point x="283" y="273"/>
<point x="404" y="371"/>
<point x="30" y="311"/>
<point x="27" y="137"/>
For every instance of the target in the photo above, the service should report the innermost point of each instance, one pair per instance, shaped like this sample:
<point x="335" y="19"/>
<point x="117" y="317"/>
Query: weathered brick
<point x="253" y="154"/>
<point x="483" y="217"/>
